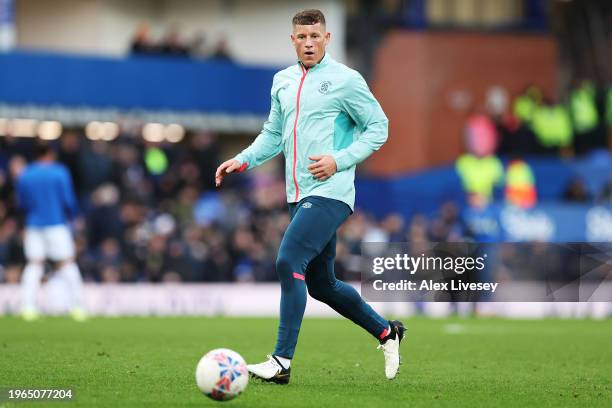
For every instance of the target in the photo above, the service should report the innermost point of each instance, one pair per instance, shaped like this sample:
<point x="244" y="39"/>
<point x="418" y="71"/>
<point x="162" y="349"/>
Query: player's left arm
<point x="370" y="119"/>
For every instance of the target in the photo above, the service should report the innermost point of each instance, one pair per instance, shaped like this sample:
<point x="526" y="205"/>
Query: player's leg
<point x="324" y="286"/>
<point x="34" y="249"/>
<point x="291" y="255"/>
<point x="313" y="222"/>
<point x="343" y="298"/>
<point x="69" y="271"/>
<point x="61" y="249"/>
<point x="289" y="267"/>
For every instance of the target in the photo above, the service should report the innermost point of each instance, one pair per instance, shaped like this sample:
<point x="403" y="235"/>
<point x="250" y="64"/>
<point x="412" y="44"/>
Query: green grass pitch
<point x="150" y="362"/>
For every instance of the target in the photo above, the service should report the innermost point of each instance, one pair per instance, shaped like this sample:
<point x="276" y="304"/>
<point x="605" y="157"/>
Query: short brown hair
<point x="308" y="17"/>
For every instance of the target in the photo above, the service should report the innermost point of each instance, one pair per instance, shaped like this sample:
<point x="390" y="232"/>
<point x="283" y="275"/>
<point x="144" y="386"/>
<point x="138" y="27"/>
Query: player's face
<point x="310" y="42"/>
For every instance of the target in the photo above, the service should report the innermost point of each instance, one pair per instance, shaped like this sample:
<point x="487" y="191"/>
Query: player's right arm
<point x="265" y="146"/>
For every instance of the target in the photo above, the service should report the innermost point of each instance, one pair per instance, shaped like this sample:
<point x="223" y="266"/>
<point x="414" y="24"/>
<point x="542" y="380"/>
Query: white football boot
<point x="270" y="370"/>
<point x="391" y="346"/>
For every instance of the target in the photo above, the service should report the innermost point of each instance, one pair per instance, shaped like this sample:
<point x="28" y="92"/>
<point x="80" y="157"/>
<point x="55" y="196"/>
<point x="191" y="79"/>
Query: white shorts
<point x="54" y="243"/>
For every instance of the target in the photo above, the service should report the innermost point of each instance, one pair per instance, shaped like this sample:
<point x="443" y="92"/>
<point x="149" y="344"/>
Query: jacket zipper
<point x="297" y="112"/>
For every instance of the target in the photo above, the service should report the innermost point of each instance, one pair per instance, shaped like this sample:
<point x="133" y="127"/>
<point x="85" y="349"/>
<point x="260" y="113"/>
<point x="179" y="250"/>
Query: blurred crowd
<point x="173" y="44"/>
<point x="531" y="125"/>
<point x="574" y="125"/>
<point x="150" y="212"/>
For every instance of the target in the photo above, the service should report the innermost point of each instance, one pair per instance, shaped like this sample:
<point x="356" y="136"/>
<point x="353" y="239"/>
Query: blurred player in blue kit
<point x="45" y="193"/>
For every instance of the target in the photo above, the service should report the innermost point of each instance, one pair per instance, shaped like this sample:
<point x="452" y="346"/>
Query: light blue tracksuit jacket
<point x="325" y="109"/>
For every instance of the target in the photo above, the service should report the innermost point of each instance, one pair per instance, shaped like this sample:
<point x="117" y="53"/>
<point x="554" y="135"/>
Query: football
<point x="222" y="374"/>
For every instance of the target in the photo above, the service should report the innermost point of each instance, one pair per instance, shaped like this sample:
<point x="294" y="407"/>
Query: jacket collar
<point x="324" y="61"/>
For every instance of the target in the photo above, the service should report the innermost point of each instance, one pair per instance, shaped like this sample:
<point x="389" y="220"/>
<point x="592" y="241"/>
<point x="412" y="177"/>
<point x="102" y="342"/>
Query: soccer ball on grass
<point x="222" y="374"/>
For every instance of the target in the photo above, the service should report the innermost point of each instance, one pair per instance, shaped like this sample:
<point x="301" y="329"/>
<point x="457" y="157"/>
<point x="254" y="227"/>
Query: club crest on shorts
<point x="324" y="87"/>
<point x="306" y="205"/>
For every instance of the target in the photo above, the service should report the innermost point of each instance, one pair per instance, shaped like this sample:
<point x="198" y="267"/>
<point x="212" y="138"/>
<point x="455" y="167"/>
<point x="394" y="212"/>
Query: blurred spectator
<point x="552" y="126"/>
<point x="605" y="198"/>
<point x="11" y="252"/>
<point x="480" y="220"/>
<point x="205" y="152"/>
<point x="576" y="191"/>
<point x="480" y="175"/>
<point x="608" y="104"/>
<point x="453" y="225"/>
<point x="209" y="209"/>
<point x="142" y="43"/>
<point x="520" y="184"/>
<point x="525" y="104"/>
<point x="156" y="160"/>
<point x="103" y="220"/>
<point x="108" y="261"/>
<point x="172" y="44"/>
<point x="129" y="172"/>
<point x="68" y="154"/>
<point x="393" y="225"/>
<point x="95" y="167"/>
<point x="178" y="265"/>
<point x="16" y="165"/>
<point x="197" y="47"/>
<point x="516" y="135"/>
<point x="479" y="170"/>
<point x="480" y="135"/>
<point x="585" y="118"/>
<point x="222" y="52"/>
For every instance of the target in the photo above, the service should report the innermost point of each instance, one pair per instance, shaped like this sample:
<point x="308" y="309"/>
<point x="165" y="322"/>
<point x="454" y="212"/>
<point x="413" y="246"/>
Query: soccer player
<point x="45" y="194"/>
<point x="325" y="120"/>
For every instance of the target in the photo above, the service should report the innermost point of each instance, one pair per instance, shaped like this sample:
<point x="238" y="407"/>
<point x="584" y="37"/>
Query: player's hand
<point x="225" y="168"/>
<point x="324" y="167"/>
